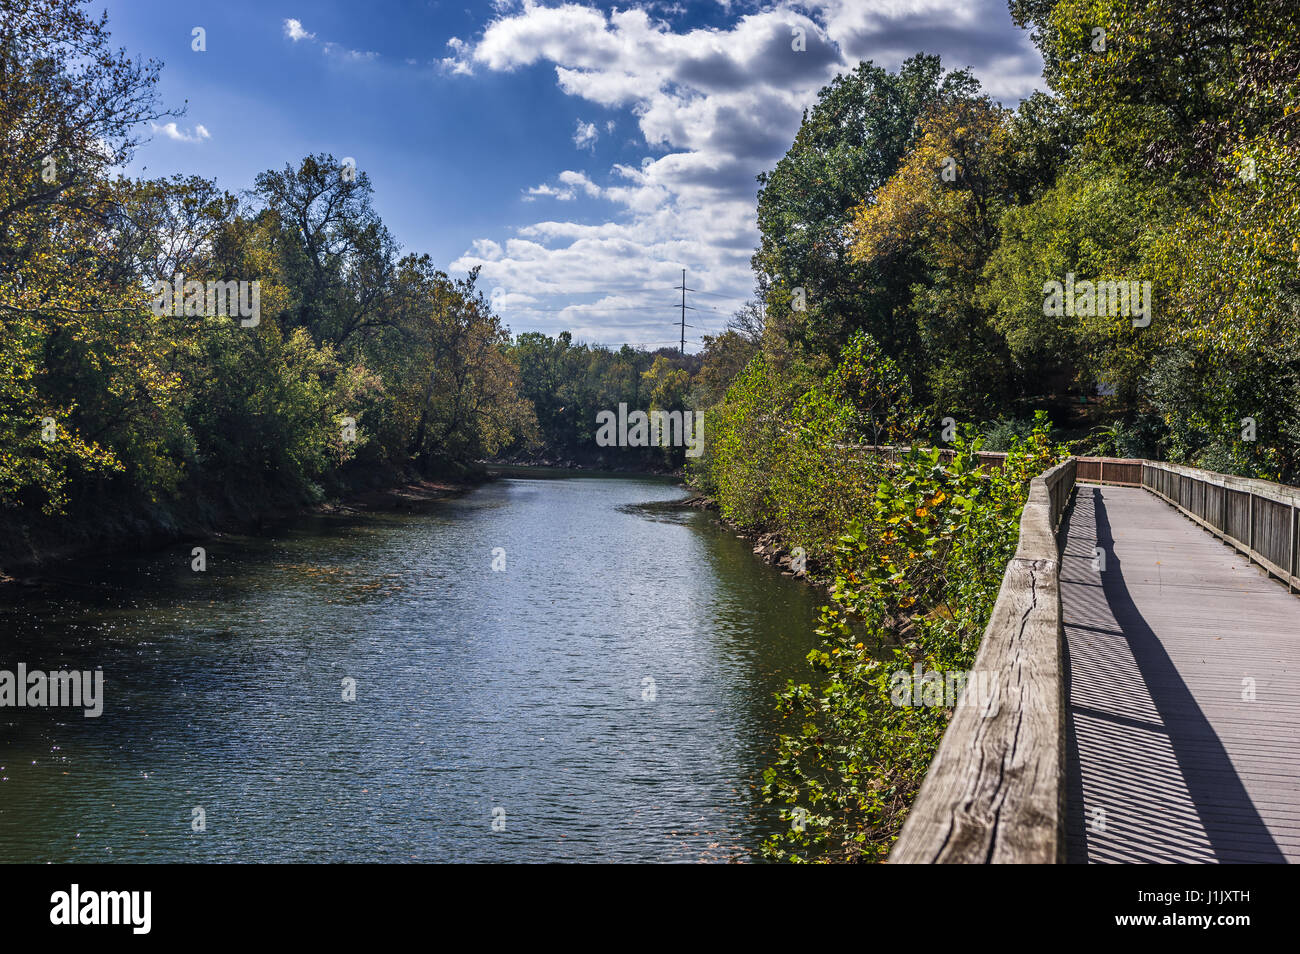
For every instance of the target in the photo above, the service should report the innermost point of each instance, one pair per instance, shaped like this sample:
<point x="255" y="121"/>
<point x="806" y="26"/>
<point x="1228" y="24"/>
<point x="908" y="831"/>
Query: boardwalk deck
<point x="1167" y="761"/>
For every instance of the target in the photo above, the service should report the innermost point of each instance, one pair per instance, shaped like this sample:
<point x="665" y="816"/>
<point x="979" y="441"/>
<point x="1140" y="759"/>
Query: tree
<point x="723" y="357"/>
<point x="333" y="248"/>
<point x="75" y="343"/>
<point x="941" y="208"/>
<point x="847" y="147"/>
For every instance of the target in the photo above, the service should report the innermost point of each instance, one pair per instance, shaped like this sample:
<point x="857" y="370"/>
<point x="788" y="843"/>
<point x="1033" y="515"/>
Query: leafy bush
<point x="1000" y="435"/>
<point x="798" y="468"/>
<point x="916" y="578"/>
<point x="743" y="438"/>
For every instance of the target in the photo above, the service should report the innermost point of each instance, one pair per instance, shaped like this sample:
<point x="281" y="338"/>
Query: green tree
<point x="847" y="147"/>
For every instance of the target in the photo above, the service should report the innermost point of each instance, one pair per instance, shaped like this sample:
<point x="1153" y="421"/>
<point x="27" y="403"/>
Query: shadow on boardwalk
<point x="1149" y="776"/>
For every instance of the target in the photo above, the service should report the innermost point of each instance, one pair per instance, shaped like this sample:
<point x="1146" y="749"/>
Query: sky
<point x="581" y="154"/>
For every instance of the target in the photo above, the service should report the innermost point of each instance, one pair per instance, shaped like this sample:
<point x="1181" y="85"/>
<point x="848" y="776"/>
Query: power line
<point x="590" y="304"/>
<point x="596" y="306"/>
<point x="716" y="295"/>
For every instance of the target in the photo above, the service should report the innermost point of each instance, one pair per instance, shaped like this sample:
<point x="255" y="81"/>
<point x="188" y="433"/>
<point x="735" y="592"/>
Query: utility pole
<point x="682" y="347"/>
<point x="684" y="289"/>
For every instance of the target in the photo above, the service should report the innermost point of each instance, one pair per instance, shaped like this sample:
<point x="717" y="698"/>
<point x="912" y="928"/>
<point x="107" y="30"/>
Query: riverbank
<point x="409" y="496"/>
<point x="600" y="463"/>
<point x="30" y="546"/>
<point x="768" y="545"/>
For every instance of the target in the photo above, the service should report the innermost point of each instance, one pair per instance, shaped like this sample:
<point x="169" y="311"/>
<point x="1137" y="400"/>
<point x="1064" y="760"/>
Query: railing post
<point x="1291" y="567"/>
<point x="1250" y="522"/>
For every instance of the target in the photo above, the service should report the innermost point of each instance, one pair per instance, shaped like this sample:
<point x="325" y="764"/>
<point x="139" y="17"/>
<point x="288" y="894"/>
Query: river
<point x="606" y="696"/>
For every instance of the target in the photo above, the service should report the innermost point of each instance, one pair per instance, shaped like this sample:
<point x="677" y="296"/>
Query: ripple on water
<point x="607" y="697"/>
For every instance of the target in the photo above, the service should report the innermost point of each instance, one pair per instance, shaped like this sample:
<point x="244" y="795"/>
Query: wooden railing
<point x="995" y="790"/>
<point x="896" y="452"/>
<point x="1122" y="471"/>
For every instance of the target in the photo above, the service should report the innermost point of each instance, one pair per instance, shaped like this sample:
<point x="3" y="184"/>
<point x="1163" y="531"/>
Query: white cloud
<point x="580" y="181"/>
<point x="570" y="184"/>
<point x="458" y="64"/>
<point x="487" y="249"/>
<point x="293" y="29"/>
<point x="714" y="107"/>
<point x="334" y="49"/>
<point x="585" y="136"/>
<point x="550" y="191"/>
<point x="172" y="131"/>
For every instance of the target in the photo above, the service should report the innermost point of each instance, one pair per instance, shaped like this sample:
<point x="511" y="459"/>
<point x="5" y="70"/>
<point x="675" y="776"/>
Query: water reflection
<point x="521" y="690"/>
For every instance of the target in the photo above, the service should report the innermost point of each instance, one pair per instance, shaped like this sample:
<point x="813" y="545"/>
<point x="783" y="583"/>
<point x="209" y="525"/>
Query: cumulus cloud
<point x="570" y="184"/>
<point x="172" y="131"/>
<point x="459" y="61"/>
<point x="548" y="191"/>
<point x="293" y="29"/>
<point x="714" y="107"/>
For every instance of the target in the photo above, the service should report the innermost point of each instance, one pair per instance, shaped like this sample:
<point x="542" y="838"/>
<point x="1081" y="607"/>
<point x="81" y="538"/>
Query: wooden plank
<point x="1161" y="738"/>
<point x="1240" y="507"/>
<point x="1115" y="471"/>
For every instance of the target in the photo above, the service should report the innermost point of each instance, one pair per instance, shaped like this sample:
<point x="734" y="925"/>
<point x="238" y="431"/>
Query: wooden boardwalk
<point x="1183" y="691"/>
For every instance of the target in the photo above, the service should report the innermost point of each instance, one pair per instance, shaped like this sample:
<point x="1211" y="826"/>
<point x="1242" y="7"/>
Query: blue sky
<point x="581" y="154"/>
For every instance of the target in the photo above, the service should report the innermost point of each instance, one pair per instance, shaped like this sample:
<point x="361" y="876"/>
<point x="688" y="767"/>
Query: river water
<point x="607" y="696"/>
